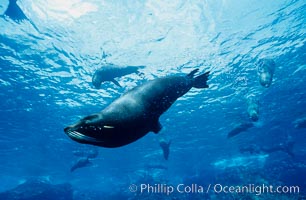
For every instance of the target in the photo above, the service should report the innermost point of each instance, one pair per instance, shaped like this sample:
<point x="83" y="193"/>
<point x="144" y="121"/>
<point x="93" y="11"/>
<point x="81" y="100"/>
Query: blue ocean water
<point x="47" y="60"/>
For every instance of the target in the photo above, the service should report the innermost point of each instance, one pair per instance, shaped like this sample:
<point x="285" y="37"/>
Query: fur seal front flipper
<point x="156" y="126"/>
<point x="116" y="82"/>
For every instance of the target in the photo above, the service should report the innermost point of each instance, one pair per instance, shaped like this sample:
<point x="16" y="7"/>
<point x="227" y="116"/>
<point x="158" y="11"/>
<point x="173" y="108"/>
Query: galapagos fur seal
<point x="82" y="162"/>
<point x="286" y="147"/>
<point x="265" y="70"/>
<point x="136" y="113"/>
<point x="110" y="72"/>
<point x="300" y="123"/>
<point x="239" y="129"/>
<point x="165" y="146"/>
<point x="253" y="109"/>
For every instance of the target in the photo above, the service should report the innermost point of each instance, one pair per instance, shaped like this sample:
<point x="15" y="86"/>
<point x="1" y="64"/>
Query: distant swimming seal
<point x="284" y="147"/>
<point x="82" y="162"/>
<point x="300" y="123"/>
<point x="253" y="109"/>
<point x="136" y="113"/>
<point x="265" y="69"/>
<point x="239" y="129"/>
<point x="110" y="72"/>
<point x="165" y="147"/>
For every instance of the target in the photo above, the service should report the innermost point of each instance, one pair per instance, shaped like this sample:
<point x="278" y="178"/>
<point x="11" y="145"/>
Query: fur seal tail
<point x="201" y="80"/>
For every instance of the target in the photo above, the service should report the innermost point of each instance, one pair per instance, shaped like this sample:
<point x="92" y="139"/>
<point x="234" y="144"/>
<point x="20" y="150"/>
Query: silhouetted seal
<point x="253" y="109"/>
<point x="300" y="123"/>
<point x="82" y="162"/>
<point x="265" y="69"/>
<point x="136" y="113"/>
<point x="110" y="72"/>
<point x="284" y="147"/>
<point x="239" y="129"/>
<point x="165" y="147"/>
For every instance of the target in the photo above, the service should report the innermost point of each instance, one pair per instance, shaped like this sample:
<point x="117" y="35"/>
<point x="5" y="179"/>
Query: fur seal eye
<point x="108" y="126"/>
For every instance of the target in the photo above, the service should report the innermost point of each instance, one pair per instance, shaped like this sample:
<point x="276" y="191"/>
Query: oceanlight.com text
<point x="213" y="188"/>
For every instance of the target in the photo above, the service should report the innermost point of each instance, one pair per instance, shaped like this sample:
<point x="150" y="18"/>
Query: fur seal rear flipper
<point x="135" y="113"/>
<point x="14" y="12"/>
